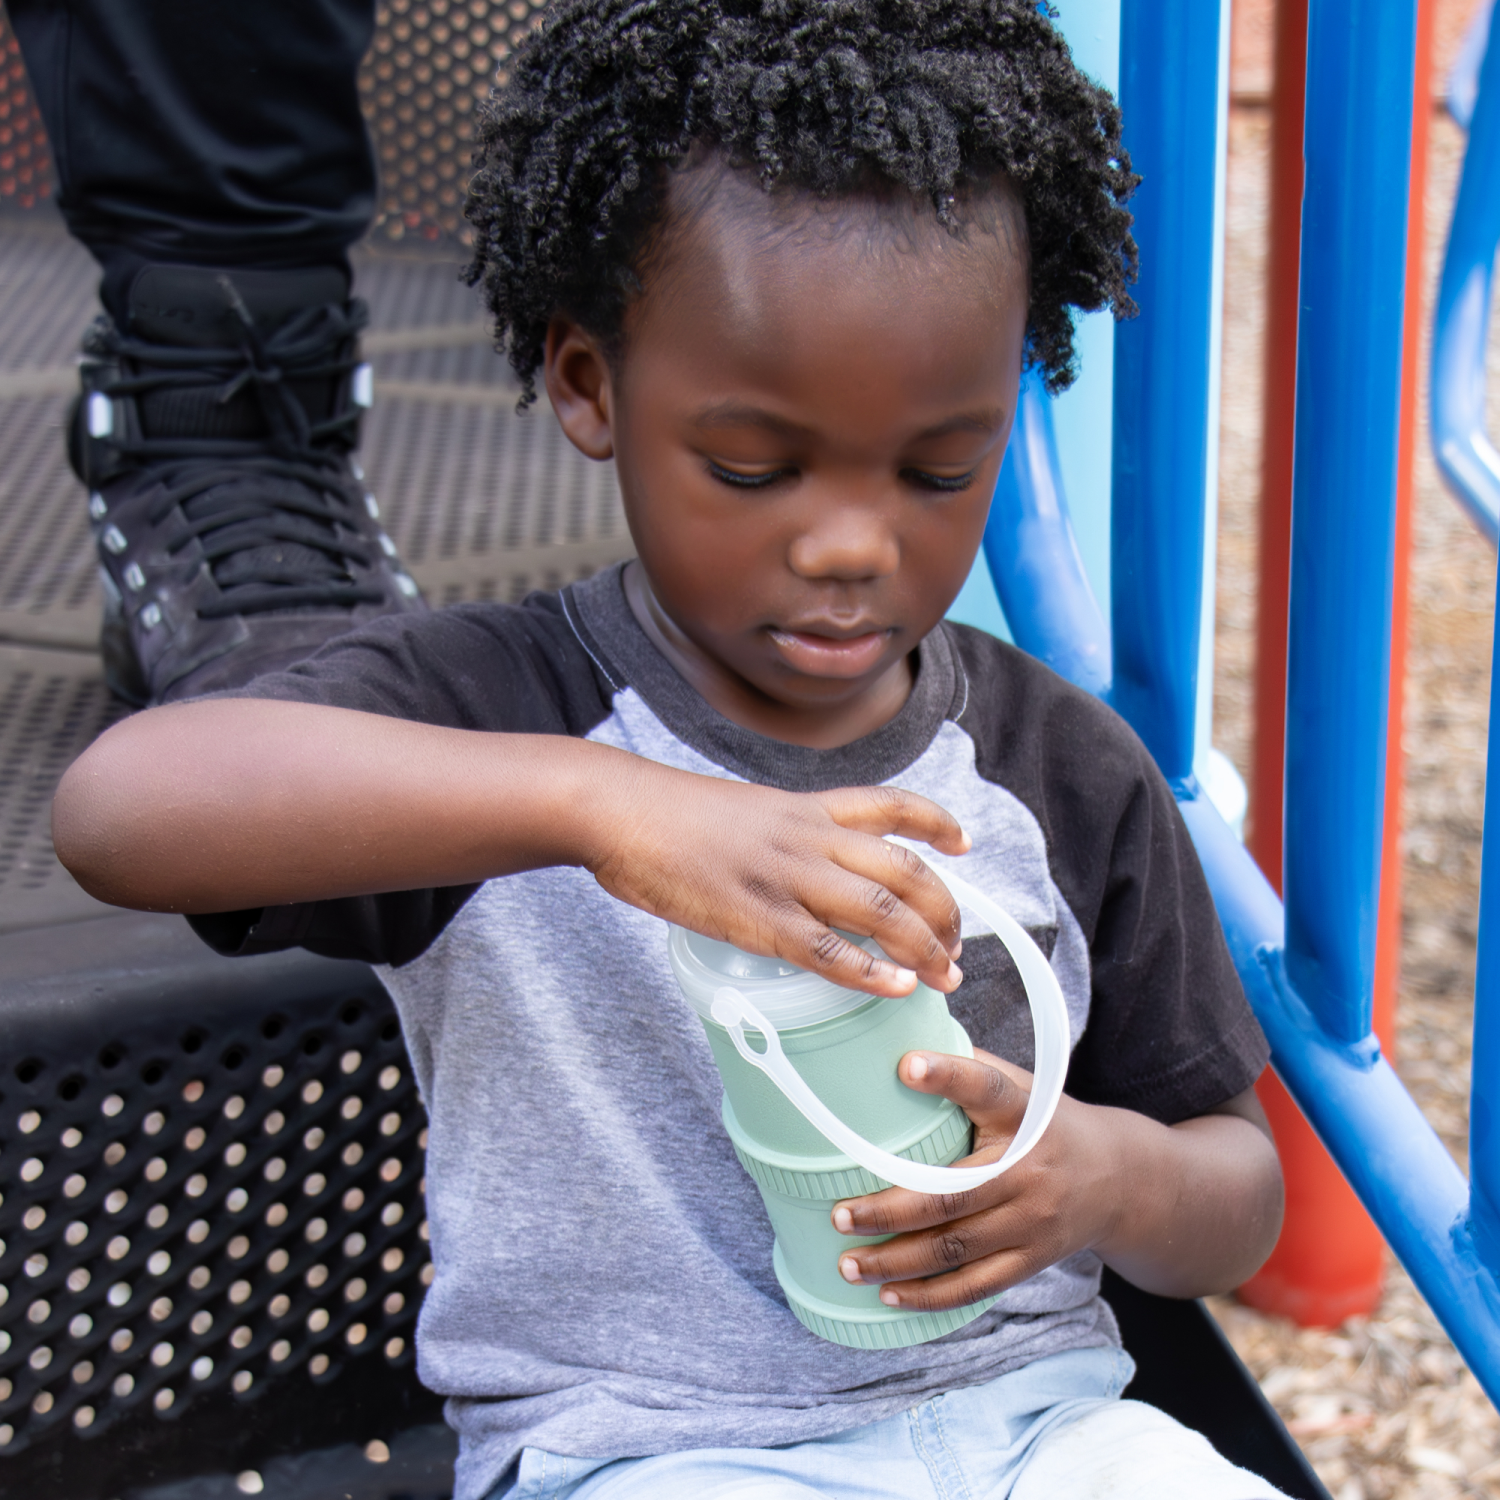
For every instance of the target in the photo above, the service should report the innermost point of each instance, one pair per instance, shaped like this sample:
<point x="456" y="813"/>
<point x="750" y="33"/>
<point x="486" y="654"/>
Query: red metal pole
<point x="1329" y="1262"/>
<point x="1388" y="934"/>
<point x="1288" y="99"/>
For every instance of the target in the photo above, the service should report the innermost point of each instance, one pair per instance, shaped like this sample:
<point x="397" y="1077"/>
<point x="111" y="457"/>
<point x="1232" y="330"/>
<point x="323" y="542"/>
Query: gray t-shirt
<point x="603" y="1279"/>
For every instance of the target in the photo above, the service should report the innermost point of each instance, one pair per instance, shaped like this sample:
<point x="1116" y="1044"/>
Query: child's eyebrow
<point x="985" y="423"/>
<point x="739" y="414"/>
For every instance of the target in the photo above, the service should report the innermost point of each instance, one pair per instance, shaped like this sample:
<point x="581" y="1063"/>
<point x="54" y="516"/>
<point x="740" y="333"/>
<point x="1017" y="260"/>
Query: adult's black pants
<point x="205" y="132"/>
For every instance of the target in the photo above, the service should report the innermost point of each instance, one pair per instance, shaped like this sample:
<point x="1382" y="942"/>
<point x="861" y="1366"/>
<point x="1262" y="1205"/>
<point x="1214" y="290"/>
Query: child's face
<point x="807" y="419"/>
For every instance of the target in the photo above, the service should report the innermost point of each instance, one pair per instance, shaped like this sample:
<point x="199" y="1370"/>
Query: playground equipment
<point x="1465" y="453"/>
<point x="1308" y="966"/>
<point x="1329" y="1262"/>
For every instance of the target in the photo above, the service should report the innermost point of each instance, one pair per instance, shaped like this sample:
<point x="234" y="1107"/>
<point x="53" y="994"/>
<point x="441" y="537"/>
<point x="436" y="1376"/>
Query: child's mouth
<point x="830" y="656"/>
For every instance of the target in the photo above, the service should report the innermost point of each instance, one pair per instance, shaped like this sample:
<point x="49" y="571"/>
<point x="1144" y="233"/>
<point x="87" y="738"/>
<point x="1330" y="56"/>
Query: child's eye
<point x="745" y="481"/>
<point x="939" y="482"/>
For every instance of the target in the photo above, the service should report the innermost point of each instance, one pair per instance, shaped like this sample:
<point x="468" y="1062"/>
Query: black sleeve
<point x="1170" y="1033"/>
<point x="516" y="669"/>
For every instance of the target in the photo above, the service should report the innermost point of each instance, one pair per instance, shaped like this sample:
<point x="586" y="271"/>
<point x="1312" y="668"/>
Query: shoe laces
<point x="274" y="514"/>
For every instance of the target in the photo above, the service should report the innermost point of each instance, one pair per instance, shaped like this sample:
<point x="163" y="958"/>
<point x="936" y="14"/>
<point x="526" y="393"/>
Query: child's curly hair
<point x="932" y="95"/>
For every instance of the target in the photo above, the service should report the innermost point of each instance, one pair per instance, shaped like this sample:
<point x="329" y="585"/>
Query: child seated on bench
<point x="782" y="262"/>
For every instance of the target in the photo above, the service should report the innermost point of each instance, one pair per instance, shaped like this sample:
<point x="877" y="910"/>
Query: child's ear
<point x="577" y="378"/>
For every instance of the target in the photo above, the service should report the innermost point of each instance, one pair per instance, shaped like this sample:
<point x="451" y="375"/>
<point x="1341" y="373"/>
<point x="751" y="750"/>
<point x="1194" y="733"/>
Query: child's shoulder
<point x="1019" y="711"/>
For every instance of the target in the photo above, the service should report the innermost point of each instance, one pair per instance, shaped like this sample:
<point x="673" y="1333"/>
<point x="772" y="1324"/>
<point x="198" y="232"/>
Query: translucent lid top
<point x="786" y="995"/>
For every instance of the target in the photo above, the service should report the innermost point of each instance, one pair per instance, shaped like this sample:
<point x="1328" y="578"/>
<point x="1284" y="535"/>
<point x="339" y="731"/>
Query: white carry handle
<point x="1049" y="1022"/>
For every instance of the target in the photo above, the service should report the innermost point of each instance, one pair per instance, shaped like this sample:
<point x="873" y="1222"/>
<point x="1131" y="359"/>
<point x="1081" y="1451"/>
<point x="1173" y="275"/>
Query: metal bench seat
<point x="214" y="1244"/>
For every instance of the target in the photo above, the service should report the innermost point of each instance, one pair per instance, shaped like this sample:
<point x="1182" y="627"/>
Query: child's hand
<point x="1180" y="1210"/>
<point x="228" y="804"/>
<point x="775" y="872"/>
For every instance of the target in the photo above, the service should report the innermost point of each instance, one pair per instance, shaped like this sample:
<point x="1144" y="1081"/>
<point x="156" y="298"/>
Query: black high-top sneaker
<point x="215" y="434"/>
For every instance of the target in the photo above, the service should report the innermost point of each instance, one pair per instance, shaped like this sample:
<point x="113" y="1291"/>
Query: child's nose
<point x="847" y="546"/>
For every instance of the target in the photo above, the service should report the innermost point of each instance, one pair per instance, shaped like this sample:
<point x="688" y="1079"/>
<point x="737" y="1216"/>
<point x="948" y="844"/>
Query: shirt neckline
<point x="601" y="617"/>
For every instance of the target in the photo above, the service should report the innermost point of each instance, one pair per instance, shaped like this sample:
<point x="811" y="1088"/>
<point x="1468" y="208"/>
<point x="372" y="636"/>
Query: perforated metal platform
<point x="483" y="503"/>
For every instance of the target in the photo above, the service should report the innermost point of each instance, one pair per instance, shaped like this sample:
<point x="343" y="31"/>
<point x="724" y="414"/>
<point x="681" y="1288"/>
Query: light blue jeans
<point x="1055" y="1430"/>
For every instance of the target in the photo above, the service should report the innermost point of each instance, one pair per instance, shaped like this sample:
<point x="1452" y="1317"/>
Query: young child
<point x="782" y="262"/>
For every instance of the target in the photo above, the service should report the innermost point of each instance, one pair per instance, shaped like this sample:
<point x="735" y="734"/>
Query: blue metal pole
<point x="1370" y="1124"/>
<point x="1484" y="1094"/>
<point x="1313" y="995"/>
<point x="1465" y="453"/>
<point x="1169" y="88"/>
<point x="1358" y="161"/>
<point x="1033" y="553"/>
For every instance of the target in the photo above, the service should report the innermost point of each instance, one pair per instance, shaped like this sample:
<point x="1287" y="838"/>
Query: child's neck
<point x="821" y="726"/>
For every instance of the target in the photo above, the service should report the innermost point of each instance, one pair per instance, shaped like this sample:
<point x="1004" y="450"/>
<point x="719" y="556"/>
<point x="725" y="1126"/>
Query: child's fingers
<point x="883" y="810"/>
<point x="898" y="895"/>
<point x="849" y="901"/>
<point x="993" y="1094"/>
<point x="981" y="1278"/>
<point x="950" y="1247"/>
<point x="809" y="944"/>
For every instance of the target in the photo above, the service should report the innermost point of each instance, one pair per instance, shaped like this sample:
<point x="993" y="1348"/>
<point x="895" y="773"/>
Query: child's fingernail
<point x="955" y="975"/>
<point x="890" y="1297"/>
<point x="917" y="1067"/>
<point x="849" y="1269"/>
<point x="906" y="976"/>
<point x="843" y="1221"/>
<point x="967" y="844"/>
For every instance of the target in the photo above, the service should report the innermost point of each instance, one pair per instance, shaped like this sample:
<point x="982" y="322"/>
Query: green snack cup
<point x="848" y="1056"/>
<point x="816" y="1112"/>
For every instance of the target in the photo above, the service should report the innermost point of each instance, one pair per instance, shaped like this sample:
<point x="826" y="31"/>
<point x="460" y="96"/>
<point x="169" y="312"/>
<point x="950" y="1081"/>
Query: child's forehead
<point x="726" y="241"/>
<point x="793" y="295"/>
<point x="707" y="195"/>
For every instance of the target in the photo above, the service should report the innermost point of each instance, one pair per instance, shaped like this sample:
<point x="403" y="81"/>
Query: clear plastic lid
<point x="786" y="995"/>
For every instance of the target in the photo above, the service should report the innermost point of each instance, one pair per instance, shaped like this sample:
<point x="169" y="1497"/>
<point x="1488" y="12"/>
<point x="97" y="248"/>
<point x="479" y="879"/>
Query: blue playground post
<point x="1308" y="967"/>
<point x="1164" y="379"/>
<point x="1465" y="453"/>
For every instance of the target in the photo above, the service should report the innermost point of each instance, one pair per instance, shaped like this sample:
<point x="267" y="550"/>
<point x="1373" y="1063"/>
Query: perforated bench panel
<point x="417" y="1466"/>
<point x="214" y="1240"/>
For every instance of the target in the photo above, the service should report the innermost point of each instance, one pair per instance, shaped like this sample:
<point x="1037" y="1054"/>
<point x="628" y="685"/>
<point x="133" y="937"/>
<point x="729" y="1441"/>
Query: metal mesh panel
<point x="488" y="504"/>
<point x="46" y="555"/>
<point x="25" y="157"/>
<point x="46" y="297"/>
<point x="195" y="1207"/>
<point x="431" y="60"/>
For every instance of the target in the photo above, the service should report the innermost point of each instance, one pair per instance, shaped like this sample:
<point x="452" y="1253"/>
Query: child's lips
<point x="831" y="656"/>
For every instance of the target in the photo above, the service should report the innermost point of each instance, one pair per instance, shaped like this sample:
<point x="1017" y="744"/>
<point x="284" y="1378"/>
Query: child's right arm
<point x="230" y="804"/>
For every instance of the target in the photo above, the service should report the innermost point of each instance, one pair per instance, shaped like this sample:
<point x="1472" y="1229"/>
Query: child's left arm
<point x="1180" y="1210"/>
